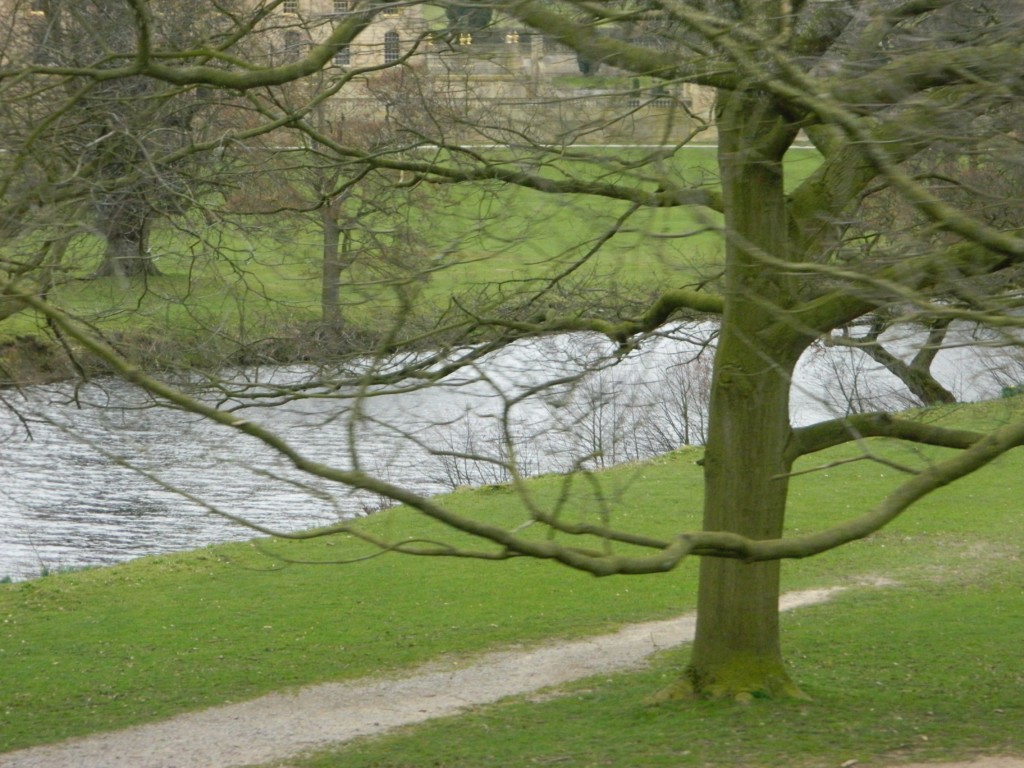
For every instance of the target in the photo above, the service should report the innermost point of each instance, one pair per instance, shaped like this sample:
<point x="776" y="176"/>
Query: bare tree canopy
<point x="912" y="216"/>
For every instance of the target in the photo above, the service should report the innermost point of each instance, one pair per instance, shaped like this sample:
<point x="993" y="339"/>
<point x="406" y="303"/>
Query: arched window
<point x="392" y="47"/>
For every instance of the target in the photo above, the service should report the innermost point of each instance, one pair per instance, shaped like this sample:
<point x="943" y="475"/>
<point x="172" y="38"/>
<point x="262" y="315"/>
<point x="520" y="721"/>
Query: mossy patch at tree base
<point x="742" y="685"/>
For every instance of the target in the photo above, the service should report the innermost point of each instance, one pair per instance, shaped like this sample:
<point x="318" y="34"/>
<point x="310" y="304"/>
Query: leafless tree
<point x="875" y="86"/>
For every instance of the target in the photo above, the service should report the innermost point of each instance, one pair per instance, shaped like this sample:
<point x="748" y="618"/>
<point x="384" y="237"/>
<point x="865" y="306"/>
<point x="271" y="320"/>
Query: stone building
<point x="510" y="80"/>
<point x="496" y="84"/>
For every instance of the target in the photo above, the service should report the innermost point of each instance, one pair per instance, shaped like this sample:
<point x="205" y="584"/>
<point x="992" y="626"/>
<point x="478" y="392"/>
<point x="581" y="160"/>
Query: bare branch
<point x="939" y="474"/>
<point x="828" y="434"/>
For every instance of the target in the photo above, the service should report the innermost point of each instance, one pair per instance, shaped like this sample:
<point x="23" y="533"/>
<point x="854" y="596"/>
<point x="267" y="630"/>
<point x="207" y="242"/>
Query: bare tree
<point x="873" y="85"/>
<point x="118" y="145"/>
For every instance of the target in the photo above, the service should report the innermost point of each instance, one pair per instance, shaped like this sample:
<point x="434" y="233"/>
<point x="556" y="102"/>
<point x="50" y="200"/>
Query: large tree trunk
<point x="736" y="651"/>
<point x="127" y="247"/>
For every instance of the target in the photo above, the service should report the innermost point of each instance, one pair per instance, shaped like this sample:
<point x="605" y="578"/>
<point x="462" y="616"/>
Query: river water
<point x="101" y="473"/>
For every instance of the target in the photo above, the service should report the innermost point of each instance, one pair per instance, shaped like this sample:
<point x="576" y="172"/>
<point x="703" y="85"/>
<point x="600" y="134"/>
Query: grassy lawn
<point x="929" y="667"/>
<point x="224" y="286"/>
<point x="923" y="671"/>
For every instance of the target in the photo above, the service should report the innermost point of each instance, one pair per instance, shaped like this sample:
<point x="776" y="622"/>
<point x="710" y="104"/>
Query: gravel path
<point x="281" y="725"/>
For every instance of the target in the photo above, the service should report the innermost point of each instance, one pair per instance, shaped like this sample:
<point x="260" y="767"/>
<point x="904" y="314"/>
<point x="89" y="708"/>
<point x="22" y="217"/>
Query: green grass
<point x="926" y="671"/>
<point x="102" y="649"/>
<point x="223" y="288"/>
<point x="105" y="648"/>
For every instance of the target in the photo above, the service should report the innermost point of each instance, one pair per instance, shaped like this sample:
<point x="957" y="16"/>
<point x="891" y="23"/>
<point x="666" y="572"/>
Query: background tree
<point x="468" y="18"/>
<point x="120" y="141"/>
<point x="983" y="180"/>
<point x="362" y="215"/>
<point x="370" y="219"/>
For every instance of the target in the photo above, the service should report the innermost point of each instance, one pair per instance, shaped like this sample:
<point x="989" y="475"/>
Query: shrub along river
<point x="100" y="473"/>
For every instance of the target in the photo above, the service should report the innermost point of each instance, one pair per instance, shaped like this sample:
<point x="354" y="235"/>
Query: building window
<point x="342" y="6"/>
<point x="392" y="48"/>
<point x="293" y="45"/>
<point x="343" y="57"/>
<point x="290" y="6"/>
<point x="37" y="7"/>
<point x="390" y="10"/>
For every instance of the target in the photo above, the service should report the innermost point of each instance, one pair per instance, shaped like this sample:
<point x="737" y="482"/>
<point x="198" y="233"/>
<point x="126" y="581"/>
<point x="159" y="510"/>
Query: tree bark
<point x="736" y="651"/>
<point x="917" y="374"/>
<point x="126" y="253"/>
<point x="331" y="268"/>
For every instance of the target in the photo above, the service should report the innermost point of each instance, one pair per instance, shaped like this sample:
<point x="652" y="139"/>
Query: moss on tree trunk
<point x="736" y="651"/>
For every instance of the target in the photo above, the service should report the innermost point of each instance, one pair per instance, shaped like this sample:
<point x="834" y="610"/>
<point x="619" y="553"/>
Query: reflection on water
<point x="86" y="477"/>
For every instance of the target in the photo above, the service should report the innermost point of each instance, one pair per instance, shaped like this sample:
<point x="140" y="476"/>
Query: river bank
<point x="150" y="479"/>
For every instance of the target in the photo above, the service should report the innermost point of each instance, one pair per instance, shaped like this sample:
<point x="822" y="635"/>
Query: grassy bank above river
<point x="246" y="291"/>
<point x="929" y="667"/>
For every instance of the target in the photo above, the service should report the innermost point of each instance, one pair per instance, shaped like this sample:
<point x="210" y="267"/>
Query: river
<point x="100" y="473"/>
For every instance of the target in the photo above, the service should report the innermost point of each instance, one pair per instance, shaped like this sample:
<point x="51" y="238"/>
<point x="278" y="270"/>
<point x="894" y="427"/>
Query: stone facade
<point x="506" y="79"/>
<point x="497" y="85"/>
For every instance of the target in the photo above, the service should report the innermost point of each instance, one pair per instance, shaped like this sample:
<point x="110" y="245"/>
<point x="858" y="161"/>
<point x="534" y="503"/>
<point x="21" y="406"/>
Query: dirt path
<point x="281" y="725"/>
